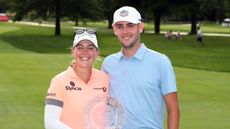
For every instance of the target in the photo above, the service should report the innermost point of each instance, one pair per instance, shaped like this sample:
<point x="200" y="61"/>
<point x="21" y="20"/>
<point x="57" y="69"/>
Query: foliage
<point x="81" y="9"/>
<point x="96" y="10"/>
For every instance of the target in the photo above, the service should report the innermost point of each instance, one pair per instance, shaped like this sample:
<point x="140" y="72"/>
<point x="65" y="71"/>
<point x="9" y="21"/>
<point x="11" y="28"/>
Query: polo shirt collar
<point x="72" y="73"/>
<point x="138" y="55"/>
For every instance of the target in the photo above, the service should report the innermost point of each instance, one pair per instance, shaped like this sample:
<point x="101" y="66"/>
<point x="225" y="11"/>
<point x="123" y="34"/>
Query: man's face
<point x="128" y="33"/>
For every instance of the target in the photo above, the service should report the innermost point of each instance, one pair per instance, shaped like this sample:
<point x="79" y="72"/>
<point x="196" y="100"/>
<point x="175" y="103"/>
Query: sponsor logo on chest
<point x="100" y="88"/>
<point x="72" y="87"/>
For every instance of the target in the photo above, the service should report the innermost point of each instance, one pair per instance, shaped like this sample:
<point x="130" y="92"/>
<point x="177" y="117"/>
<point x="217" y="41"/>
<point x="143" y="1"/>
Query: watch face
<point x="104" y="112"/>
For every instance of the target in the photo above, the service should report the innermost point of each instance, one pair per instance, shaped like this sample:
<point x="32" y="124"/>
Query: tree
<point x="78" y="9"/>
<point x="37" y="8"/>
<point x="212" y="10"/>
<point x="156" y="9"/>
<point x="3" y="5"/>
<point x="108" y="7"/>
<point x="194" y="9"/>
<point x="227" y="8"/>
<point x="190" y="9"/>
<point x="57" y="17"/>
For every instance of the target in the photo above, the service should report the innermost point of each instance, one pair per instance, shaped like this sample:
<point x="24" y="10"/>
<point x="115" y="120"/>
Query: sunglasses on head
<point x="81" y="31"/>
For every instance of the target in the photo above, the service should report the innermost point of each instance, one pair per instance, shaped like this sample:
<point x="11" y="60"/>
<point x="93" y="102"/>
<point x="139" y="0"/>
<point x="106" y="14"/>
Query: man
<point x="199" y="36"/>
<point x="142" y="80"/>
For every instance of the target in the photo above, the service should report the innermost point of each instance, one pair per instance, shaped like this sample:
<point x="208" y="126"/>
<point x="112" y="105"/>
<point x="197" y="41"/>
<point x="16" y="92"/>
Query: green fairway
<point x="204" y="99"/>
<point x="30" y="56"/>
<point x="205" y="27"/>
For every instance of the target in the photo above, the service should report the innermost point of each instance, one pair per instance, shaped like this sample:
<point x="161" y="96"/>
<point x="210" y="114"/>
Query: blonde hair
<point x="72" y="63"/>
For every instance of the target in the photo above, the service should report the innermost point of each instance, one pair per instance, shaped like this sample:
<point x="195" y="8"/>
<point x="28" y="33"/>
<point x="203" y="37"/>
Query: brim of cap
<point x="130" y="21"/>
<point x="77" y="41"/>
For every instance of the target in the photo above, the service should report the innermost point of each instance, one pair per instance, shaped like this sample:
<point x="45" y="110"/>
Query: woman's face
<point x="84" y="54"/>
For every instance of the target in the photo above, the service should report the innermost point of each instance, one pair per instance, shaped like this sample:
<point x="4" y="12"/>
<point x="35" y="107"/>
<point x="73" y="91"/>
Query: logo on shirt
<point x="100" y="88"/>
<point x="51" y="94"/>
<point x="72" y="86"/>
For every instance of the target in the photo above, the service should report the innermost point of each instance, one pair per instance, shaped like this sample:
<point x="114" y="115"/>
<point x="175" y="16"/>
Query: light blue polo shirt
<point x="139" y="83"/>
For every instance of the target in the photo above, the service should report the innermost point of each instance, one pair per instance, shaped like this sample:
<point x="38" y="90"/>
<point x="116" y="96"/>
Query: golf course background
<point x="30" y="56"/>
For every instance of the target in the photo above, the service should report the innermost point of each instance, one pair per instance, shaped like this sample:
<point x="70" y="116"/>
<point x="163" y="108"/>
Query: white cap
<point x="128" y="14"/>
<point x="85" y="36"/>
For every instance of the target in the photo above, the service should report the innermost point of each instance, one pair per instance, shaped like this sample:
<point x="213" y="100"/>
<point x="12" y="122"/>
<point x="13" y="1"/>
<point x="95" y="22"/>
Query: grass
<point x="214" y="56"/>
<point x="204" y="99"/>
<point x="30" y="56"/>
<point x="205" y="27"/>
<point x="24" y="81"/>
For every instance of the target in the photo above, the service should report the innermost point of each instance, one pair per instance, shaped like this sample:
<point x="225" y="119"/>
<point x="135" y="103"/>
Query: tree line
<point x="152" y="10"/>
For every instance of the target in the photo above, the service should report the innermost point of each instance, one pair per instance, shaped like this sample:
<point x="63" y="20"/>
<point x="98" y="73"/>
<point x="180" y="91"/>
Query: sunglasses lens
<point x="91" y="31"/>
<point x="77" y="32"/>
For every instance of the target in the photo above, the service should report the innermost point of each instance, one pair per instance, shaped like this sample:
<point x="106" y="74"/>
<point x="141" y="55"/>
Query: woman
<point x="71" y="90"/>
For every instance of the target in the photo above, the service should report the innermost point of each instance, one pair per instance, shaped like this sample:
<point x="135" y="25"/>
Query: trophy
<point x="104" y="112"/>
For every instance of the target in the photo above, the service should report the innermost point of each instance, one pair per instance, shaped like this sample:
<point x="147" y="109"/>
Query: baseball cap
<point x="85" y="34"/>
<point x="127" y="13"/>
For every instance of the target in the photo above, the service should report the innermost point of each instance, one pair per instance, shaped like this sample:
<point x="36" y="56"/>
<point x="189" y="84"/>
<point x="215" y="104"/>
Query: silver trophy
<point x="104" y="112"/>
